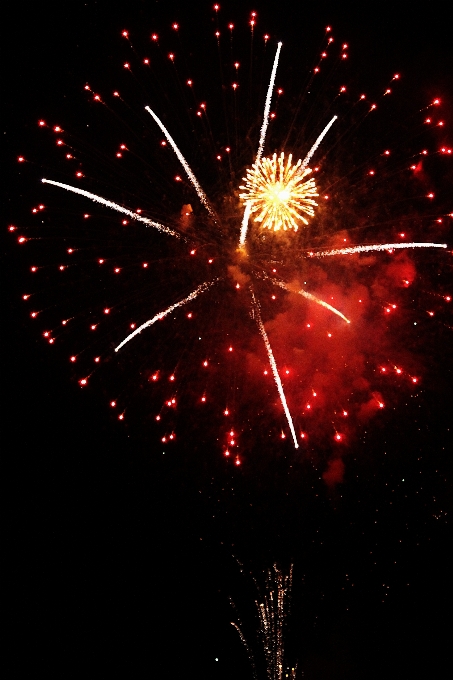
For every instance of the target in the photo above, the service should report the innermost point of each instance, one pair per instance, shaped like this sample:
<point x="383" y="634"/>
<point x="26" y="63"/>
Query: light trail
<point x="193" y="180"/>
<point x="309" y="155"/>
<point x="161" y="315"/>
<point x="274" y="368"/>
<point x="267" y="106"/>
<point x="114" y="206"/>
<point x="264" y="126"/>
<point x="245" y="223"/>
<point x="378" y="247"/>
<point x="310" y="296"/>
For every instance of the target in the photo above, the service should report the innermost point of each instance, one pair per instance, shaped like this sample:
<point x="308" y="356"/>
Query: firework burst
<point x="264" y="304"/>
<point x="279" y="193"/>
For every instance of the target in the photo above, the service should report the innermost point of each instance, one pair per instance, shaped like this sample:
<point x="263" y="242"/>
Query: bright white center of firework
<point x="278" y="193"/>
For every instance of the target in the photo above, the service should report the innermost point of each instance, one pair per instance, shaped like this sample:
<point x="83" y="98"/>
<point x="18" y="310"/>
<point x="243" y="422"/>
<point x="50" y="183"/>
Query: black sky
<point x="121" y="562"/>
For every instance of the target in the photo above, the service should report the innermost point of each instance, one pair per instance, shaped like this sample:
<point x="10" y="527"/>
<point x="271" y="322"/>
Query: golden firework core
<point x="279" y="193"/>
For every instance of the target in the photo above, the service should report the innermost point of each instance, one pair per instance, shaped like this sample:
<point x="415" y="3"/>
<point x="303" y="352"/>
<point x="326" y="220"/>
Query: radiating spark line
<point x="267" y="106"/>
<point x="311" y="297"/>
<point x="249" y="651"/>
<point x="274" y="368"/>
<point x="114" y="206"/>
<point x="379" y="247"/>
<point x="245" y="222"/>
<point x="309" y="155"/>
<point x="193" y="180"/>
<point x="195" y="293"/>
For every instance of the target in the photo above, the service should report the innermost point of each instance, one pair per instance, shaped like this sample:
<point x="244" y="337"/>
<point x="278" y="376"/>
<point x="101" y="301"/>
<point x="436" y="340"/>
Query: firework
<point x="272" y="607"/>
<point x="312" y="323"/>
<point x="279" y="192"/>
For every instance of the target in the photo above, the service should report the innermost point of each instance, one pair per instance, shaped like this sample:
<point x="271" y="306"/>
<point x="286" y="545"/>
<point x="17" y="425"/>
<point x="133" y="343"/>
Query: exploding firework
<point x="279" y="192"/>
<point x="279" y="284"/>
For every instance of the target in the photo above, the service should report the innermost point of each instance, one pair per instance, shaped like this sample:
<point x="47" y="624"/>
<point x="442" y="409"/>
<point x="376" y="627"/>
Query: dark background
<point x="122" y="562"/>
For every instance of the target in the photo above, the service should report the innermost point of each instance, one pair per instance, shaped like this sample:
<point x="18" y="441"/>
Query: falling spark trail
<point x="114" y="206"/>
<point x="309" y="155"/>
<point x="379" y="247"/>
<point x="249" y="651"/>
<point x="245" y="222"/>
<point x="193" y="180"/>
<point x="274" y="368"/>
<point x="267" y="108"/>
<point x="311" y="297"/>
<point x="201" y="289"/>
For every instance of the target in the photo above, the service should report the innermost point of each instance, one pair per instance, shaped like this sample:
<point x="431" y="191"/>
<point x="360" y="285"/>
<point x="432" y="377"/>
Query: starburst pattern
<point x="279" y="193"/>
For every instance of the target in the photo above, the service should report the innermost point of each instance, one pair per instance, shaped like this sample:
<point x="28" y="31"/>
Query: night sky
<point x="122" y="561"/>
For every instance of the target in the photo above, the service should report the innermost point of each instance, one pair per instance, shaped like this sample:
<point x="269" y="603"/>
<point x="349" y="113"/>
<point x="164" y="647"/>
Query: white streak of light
<point x="114" y="206"/>
<point x="267" y="106"/>
<point x="311" y="297"/>
<point x="161" y="315"/>
<point x="193" y="180"/>
<point x="273" y="364"/>
<point x="379" y="246"/>
<point x="245" y="222"/>
<point x="309" y="155"/>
